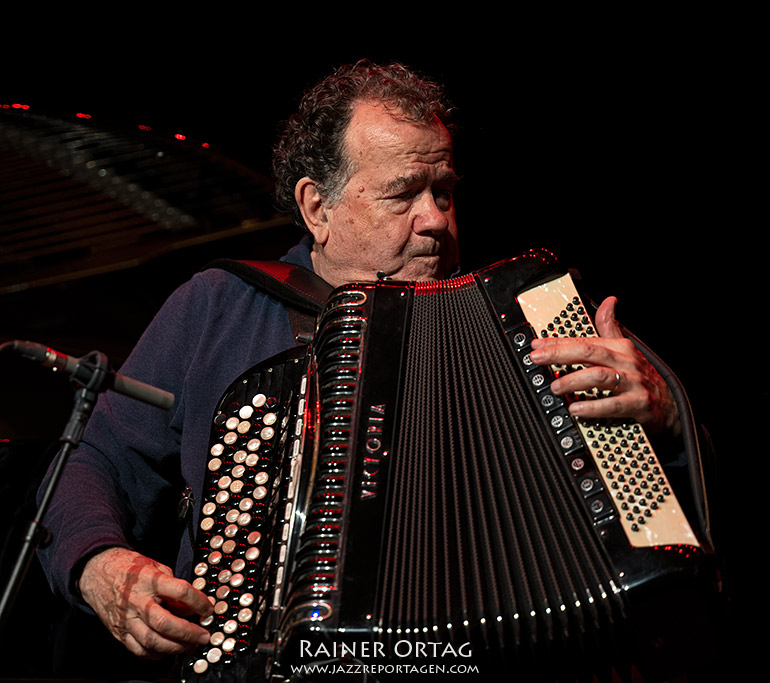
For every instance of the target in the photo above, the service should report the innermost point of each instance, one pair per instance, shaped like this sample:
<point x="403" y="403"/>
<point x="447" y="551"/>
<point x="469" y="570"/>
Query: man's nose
<point x="431" y="218"/>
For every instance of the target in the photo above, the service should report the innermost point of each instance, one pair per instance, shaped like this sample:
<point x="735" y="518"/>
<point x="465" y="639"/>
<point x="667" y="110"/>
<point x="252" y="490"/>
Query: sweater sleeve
<point x="125" y="473"/>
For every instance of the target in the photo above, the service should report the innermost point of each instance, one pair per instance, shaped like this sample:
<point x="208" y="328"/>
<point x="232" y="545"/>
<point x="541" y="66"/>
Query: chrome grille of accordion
<point x="338" y="360"/>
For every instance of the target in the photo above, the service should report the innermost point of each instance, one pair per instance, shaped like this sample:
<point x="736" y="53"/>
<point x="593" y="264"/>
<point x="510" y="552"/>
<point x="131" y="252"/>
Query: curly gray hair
<point x="312" y="141"/>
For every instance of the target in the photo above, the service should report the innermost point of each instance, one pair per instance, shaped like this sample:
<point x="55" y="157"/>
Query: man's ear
<point x="311" y="206"/>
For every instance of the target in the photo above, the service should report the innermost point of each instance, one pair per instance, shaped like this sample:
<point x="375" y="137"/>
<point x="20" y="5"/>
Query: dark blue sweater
<point x="123" y="484"/>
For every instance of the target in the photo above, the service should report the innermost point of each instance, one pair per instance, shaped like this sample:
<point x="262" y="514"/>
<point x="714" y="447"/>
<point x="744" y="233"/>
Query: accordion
<point x="407" y="492"/>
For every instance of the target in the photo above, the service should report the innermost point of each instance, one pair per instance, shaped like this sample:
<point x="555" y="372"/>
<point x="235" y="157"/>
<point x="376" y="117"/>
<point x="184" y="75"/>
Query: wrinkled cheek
<point x="343" y="236"/>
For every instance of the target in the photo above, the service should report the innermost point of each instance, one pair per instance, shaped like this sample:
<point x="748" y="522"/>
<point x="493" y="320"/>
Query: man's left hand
<point x="612" y="363"/>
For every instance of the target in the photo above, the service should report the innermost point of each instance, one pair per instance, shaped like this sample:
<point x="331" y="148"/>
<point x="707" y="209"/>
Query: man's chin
<point x="426" y="269"/>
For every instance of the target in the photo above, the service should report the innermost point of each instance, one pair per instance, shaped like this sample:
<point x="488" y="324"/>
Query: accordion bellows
<point x="408" y="490"/>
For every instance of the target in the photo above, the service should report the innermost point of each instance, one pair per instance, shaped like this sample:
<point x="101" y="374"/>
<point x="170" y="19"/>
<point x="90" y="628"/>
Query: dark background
<point x="625" y="152"/>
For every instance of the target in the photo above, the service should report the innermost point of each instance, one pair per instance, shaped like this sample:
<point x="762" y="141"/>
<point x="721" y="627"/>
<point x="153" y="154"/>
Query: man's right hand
<point x="142" y="604"/>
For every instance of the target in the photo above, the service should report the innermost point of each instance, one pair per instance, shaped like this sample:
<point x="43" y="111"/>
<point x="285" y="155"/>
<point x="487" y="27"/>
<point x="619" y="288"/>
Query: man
<point x="367" y="167"/>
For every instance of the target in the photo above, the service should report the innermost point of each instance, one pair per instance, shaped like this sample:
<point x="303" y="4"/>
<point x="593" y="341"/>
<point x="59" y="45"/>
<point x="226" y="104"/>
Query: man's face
<point x="396" y="213"/>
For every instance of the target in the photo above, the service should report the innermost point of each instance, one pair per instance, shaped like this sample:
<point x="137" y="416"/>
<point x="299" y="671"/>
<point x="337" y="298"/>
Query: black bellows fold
<point x="485" y="532"/>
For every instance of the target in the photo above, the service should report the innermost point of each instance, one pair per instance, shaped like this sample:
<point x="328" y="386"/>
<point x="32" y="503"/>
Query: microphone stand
<point x="91" y="377"/>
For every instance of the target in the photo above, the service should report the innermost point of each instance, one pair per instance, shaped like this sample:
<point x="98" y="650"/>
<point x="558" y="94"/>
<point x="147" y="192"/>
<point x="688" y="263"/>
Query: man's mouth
<point x="433" y="250"/>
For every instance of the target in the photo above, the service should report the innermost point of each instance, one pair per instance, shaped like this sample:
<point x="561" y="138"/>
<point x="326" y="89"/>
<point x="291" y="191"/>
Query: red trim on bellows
<point x="443" y="285"/>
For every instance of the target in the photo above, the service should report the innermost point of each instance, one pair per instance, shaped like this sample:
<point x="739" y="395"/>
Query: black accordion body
<point x="406" y="492"/>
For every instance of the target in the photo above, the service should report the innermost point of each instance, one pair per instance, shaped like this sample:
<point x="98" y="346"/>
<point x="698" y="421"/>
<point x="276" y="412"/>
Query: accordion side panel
<point x="357" y="410"/>
<point x="650" y="512"/>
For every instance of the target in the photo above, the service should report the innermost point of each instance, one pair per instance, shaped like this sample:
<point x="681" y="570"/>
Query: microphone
<point x="59" y="362"/>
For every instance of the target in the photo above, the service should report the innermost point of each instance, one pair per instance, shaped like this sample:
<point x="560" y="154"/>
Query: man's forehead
<point x="394" y="154"/>
<point x="375" y="126"/>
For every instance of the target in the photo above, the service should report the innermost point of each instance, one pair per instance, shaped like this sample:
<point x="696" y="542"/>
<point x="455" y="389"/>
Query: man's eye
<point x="443" y="198"/>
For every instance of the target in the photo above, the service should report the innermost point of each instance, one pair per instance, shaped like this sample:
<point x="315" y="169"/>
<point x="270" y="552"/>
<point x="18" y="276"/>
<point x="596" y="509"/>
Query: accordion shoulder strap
<point x="300" y="289"/>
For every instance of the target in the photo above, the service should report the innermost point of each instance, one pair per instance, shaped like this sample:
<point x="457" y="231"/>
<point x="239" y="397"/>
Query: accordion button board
<point x="245" y="518"/>
<point x="623" y="461"/>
